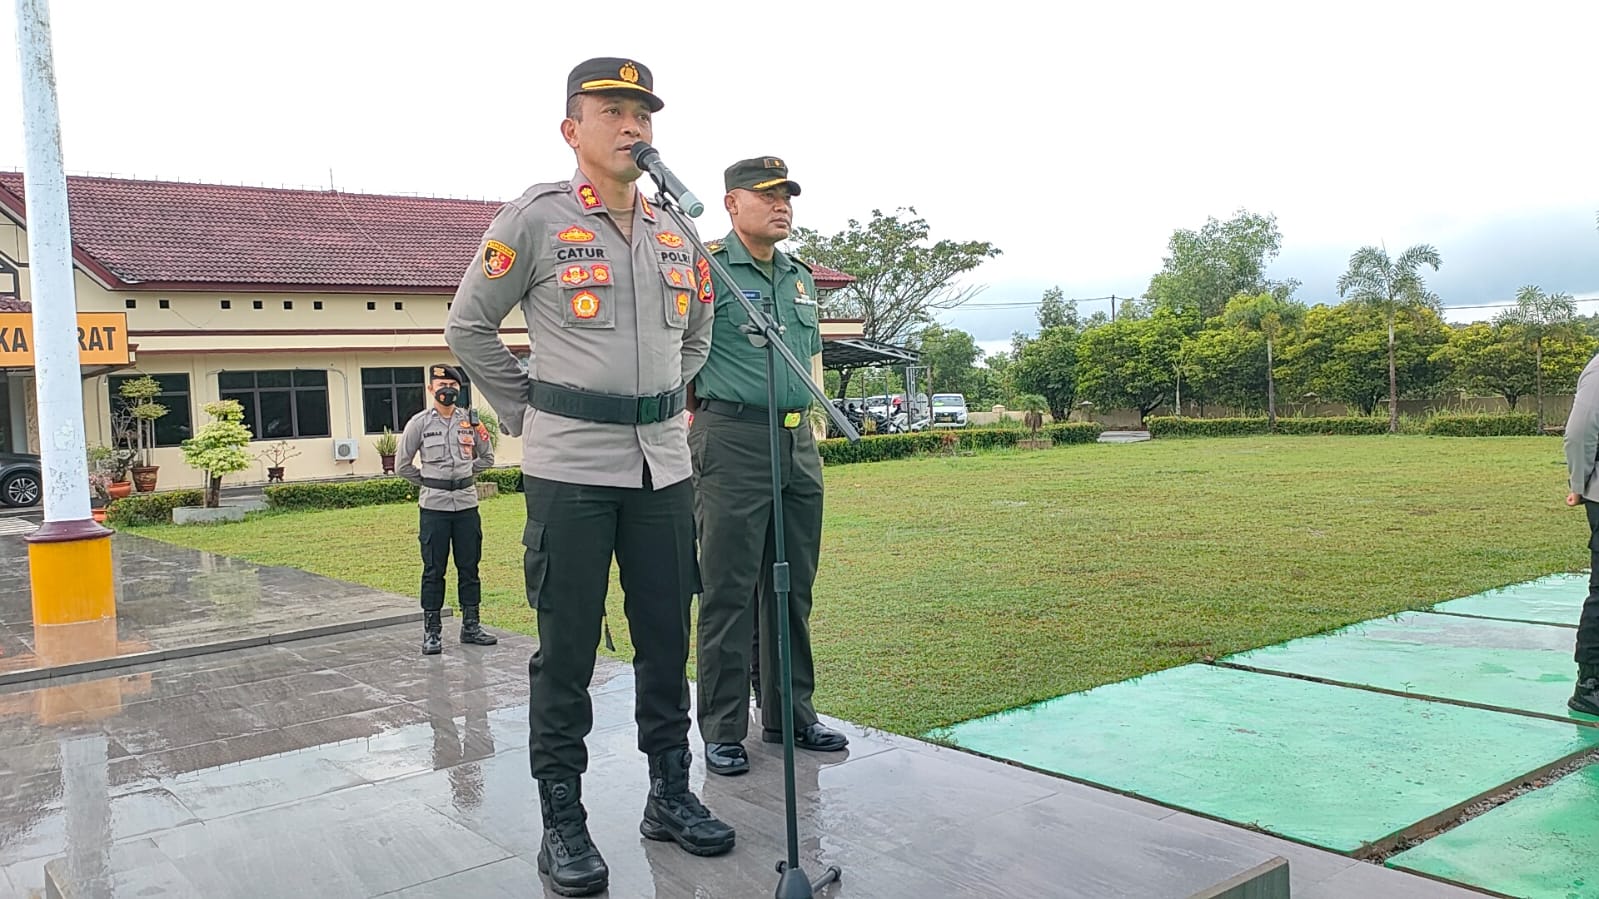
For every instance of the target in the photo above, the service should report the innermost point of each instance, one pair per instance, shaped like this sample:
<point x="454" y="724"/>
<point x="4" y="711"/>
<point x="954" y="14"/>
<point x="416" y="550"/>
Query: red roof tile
<point x="171" y="234"/>
<point x="158" y="232"/>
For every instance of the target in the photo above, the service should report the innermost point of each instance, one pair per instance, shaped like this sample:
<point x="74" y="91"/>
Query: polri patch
<point x="682" y="303"/>
<point x="602" y="273"/>
<point x="585" y="305"/>
<point x="497" y="259"/>
<point x="576" y="234"/>
<point x="670" y="239"/>
<point x="707" y="292"/>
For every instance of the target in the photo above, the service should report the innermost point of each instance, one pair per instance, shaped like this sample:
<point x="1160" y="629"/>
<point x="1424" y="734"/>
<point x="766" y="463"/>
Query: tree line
<point x="1210" y="330"/>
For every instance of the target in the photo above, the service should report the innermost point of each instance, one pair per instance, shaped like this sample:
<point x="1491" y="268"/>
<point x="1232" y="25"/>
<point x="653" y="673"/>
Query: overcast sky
<point x="1076" y="140"/>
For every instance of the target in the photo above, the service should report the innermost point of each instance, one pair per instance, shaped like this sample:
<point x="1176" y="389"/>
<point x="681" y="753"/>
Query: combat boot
<point x="432" y="630"/>
<point x="567" y="854"/>
<point x="674" y="813"/>
<point x="472" y="631"/>
<point x="1586" y="697"/>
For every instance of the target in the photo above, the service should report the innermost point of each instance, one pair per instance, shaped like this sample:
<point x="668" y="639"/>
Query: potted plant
<point x="99" y="494"/>
<point x="275" y="455"/>
<point x="220" y="447"/>
<point x="387" y="445"/>
<point x="140" y="394"/>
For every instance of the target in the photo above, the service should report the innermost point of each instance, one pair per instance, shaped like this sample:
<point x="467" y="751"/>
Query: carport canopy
<point x="858" y="352"/>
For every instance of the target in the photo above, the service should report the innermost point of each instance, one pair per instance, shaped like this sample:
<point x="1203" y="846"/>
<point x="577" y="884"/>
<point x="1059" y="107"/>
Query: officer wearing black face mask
<point x="453" y="447"/>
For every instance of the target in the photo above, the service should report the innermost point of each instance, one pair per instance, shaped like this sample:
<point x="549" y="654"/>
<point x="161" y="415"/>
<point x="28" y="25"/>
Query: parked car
<point x="21" y="479"/>
<point x="949" y="410"/>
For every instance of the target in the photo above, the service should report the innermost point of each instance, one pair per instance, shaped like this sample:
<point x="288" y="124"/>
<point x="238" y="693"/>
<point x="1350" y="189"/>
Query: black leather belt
<point x="752" y="413"/>
<point x="606" y="407"/>
<point x="442" y="484"/>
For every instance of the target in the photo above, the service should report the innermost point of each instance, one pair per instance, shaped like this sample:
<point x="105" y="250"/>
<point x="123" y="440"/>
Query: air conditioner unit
<point x="346" y="450"/>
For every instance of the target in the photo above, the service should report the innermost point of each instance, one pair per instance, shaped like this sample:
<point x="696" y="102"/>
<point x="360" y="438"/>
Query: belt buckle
<point x="649" y="410"/>
<point x="791" y="419"/>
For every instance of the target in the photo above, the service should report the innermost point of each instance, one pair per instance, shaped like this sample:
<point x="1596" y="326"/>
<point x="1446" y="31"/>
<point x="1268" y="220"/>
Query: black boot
<point x="674" y="813"/>
<point x="567" y="853"/>
<point x="471" y="631"/>
<point x="1586" y="697"/>
<point x="432" y="627"/>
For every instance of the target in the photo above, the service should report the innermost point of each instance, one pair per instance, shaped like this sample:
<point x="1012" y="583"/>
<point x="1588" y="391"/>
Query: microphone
<point x="648" y="159"/>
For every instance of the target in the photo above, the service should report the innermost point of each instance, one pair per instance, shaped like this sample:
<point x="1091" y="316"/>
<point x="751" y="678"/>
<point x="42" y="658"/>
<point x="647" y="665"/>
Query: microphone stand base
<point x="794" y="885"/>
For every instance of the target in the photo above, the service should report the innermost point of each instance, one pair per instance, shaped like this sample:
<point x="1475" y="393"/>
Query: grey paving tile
<point x="132" y="868"/>
<point x="260" y="783"/>
<point x="511" y="878"/>
<point x="358" y="842"/>
<point x="1102" y="853"/>
<point x="82" y="818"/>
<point x="27" y="877"/>
<point x="1369" y="880"/>
<point x="303" y="698"/>
<point x="216" y="753"/>
<point x="1307" y="865"/>
<point x="187" y="720"/>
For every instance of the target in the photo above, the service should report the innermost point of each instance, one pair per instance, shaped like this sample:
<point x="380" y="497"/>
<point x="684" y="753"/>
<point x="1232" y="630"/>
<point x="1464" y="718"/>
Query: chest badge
<point x="575" y="234"/>
<point x="574" y="275"/>
<point x="669" y="239"/>
<point x="585" y="305"/>
<point x="682" y="303"/>
<point x="602" y="273"/>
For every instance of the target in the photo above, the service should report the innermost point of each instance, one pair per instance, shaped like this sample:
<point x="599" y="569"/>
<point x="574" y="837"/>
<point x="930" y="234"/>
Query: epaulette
<point x="715" y="246"/>
<point x="540" y="190"/>
<point x="803" y="264"/>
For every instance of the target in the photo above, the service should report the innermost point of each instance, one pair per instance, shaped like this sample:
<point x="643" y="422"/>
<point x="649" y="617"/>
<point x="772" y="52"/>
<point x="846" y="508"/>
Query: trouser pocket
<point x="535" y="564"/>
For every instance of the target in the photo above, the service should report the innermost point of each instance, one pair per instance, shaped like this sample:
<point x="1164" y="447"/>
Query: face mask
<point x="447" y="396"/>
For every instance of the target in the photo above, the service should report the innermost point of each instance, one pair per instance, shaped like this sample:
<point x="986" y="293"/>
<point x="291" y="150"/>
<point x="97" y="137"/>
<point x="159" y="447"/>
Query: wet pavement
<point x="349" y="765"/>
<point x="173" y="602"/>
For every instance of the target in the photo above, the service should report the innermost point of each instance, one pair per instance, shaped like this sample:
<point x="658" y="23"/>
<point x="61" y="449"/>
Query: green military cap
<point x="445" y="372"/>
<point x="759" y="173"/>
<point x="609" y="73"/>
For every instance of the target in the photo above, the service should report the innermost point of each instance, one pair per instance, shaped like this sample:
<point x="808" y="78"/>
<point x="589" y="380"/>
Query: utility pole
<point x="69" y="556"/>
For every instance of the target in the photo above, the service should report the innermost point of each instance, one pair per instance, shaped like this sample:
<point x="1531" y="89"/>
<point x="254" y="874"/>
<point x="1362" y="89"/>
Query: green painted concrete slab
<point x="1508" y="665"/>
<point x="1555" y="599"/>
<point x="1541" y="844"/>
<point x="1330" y="766"/>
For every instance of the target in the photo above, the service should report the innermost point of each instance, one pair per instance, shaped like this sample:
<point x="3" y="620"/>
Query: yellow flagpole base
<point x="69" y="565"/>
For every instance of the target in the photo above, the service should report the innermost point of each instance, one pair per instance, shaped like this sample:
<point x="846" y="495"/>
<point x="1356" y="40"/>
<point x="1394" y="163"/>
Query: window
<point x="390" y="396"/>
<point x="280" y="405"/>
<point x="172" y="428"/>
<point x="8" y="280"/>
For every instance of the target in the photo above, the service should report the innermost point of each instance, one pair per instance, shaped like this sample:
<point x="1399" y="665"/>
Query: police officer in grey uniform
<point x="618" y="310"/>
<point x="454" y="447"/>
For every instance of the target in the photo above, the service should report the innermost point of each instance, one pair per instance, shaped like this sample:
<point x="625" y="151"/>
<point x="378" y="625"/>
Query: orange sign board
<point x="102" y="338"/>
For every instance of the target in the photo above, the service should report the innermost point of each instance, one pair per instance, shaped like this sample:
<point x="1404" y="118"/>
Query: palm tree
<point x="1267" y="314"/>
<point x="1391" y="287"/>
<point x="1541" y="315"/>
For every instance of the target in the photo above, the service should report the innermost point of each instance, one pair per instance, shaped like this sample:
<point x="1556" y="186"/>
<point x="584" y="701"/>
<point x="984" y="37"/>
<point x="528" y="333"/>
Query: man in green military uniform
<point x="730" y="444"/>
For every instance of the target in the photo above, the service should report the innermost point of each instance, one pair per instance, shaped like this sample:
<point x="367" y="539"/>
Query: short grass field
<point x="953" y="587"/>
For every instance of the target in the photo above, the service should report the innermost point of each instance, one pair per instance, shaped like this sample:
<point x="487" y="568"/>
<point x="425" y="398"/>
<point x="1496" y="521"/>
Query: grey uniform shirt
<point x="603" y="314"/>
<point x="1582" y="432"/>
<point x="451" y="449"/>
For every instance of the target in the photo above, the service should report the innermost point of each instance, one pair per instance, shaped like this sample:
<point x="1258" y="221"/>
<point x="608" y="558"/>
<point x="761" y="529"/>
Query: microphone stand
<point x="792" y="882"/>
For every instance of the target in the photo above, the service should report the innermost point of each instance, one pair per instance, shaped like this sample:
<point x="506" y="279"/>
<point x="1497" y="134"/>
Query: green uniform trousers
<point x="733" y="509"/>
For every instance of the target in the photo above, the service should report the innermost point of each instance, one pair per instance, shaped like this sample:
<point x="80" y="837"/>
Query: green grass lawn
<point x="954" y="587"/>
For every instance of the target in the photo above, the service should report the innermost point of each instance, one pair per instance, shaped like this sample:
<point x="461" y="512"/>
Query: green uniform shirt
<point x="735" y="370"/>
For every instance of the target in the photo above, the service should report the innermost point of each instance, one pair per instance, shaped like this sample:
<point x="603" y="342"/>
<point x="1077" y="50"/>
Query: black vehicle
<point x="21" y="479"/>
